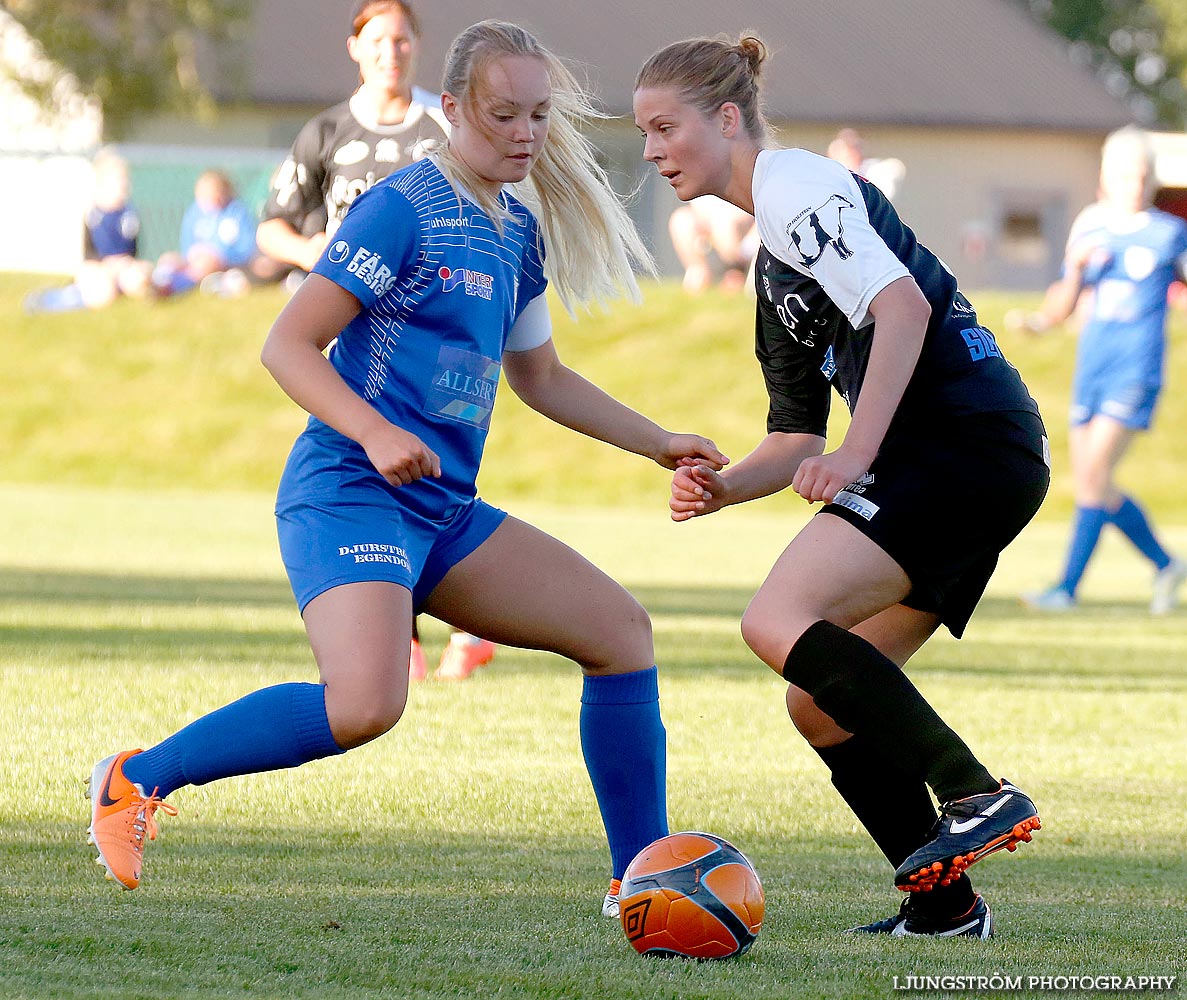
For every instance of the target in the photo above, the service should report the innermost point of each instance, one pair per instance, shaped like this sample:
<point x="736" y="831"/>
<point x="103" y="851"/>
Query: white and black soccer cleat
<point x="968" y="830"/>
<point x="976" y="922"/>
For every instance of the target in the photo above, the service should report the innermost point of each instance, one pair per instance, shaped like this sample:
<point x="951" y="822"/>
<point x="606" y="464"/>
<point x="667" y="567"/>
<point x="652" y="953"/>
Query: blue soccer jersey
<point x="229" y="230"/>
<point x="441" y="289"/>
<point x="111" y="232"/>
<point x="1136" y="260"/>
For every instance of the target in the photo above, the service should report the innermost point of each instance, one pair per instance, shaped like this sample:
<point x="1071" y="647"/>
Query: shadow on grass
<point x="106" y="589"/>
<point x="1006" y="643"/>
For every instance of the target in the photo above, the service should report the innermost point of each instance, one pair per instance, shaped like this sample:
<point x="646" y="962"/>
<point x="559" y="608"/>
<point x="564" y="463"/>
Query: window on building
<point x="1026" y="237"/>
<point x="1021" y="240"/>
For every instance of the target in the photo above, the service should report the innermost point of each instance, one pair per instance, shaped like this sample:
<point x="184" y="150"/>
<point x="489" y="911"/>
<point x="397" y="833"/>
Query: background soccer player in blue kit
<point x="1122" y="257"/>
<point x="849" y="300"/>
<point x="434" y="283"/>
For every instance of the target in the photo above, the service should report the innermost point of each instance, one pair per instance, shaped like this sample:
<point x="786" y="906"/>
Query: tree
<point x="134" y="56"/>
<point x="1139" y="48"/>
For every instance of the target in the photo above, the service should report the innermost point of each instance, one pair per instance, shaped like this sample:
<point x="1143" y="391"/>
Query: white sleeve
<point x="812" y="216"/>
<point x="532" y="328"/>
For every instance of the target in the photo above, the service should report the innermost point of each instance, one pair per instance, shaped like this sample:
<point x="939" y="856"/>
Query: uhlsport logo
<point x="475" y="282"/>
<point x="337" y="253"/>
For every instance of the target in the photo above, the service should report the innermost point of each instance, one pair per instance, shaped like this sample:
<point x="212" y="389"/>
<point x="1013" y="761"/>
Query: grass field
<point x="172" y="395"/>
<point x="461" y="855"/>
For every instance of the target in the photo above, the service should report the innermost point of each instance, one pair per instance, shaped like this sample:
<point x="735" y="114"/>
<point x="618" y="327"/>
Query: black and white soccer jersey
<point x="831" y="241"/>
<point x="339" y="154"/>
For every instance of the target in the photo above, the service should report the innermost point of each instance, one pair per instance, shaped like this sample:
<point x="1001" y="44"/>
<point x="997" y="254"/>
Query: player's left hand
<point x="687" y="450"/>
<point x="822" y="477"/>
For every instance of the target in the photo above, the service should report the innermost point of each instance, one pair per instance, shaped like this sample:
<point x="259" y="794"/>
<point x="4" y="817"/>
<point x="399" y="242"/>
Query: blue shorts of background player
<point x="1104" y="417"/>
<point x="1129" y="403"/>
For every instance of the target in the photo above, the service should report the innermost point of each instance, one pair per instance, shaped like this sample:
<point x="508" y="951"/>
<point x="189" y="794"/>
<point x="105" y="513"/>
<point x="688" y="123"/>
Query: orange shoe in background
<point x="464" y="654"/>
<point x="121" y="816"/>
<point x="417" y="669"/>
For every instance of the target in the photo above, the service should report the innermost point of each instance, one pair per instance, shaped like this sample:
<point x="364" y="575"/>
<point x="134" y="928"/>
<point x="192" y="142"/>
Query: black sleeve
<point x="297" y="193"/>
<point x="798" y="391"/>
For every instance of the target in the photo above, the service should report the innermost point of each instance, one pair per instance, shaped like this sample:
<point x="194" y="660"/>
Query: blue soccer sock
<point x="1133" y="523"/>
<point x="1086" y="528"/>
<point x="67" y="298"/>
<point x="281" y="726"/>
<point x="625" y="748"/>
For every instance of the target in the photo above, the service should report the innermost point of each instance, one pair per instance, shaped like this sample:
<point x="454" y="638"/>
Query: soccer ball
<point x="692" y="895"/>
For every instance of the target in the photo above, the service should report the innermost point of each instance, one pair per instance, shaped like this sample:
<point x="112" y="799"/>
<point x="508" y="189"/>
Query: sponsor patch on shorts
<point x="859" y="505"/>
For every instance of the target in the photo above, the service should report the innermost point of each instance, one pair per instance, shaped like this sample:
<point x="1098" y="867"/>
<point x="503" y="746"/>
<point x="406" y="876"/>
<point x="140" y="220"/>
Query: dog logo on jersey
<point x="813" y="231"/>
<point x="388" y="151"/>
<point x="474" y="282"/>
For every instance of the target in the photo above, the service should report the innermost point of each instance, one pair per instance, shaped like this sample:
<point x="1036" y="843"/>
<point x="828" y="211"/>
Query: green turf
<point x="461" y="855"/>
<point x="172" y="395"/>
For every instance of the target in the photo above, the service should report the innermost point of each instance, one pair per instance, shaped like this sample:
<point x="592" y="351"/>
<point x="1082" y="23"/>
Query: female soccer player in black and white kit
<point x="386" y="124"/>
<point x="944" y="462"/>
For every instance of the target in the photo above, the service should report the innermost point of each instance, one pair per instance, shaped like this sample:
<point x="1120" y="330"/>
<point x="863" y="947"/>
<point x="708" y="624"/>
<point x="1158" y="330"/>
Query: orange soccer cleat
<point x="464" y="654"/>
<point x="121" y="816"/>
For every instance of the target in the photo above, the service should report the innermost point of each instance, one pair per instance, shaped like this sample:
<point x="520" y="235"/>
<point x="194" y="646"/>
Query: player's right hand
<point x="1087" y="252"/>
<point x="696" y="490"/>
<point x="401" y="457"/>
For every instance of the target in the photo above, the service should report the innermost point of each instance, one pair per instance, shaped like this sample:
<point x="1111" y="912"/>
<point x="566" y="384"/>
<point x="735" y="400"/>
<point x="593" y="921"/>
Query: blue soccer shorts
<point x="1128" y="402"/>
<point x="326" y="542"/>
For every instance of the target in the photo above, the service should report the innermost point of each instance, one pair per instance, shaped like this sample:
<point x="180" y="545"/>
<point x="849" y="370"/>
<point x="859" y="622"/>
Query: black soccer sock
<point x="866" y="693"/>
<point x="897" y="812"/>
<point x="895" y="808"/>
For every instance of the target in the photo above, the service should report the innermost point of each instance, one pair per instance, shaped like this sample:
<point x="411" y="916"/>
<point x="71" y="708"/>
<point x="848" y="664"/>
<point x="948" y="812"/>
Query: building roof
<point x="976" y="63"/>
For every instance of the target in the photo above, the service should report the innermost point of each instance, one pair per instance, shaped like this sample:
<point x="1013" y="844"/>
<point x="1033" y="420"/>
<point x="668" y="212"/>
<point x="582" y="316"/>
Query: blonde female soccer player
<point x="433" y="284"/>
<point x="1122" y="257"/>
<point x="942" y="465"/>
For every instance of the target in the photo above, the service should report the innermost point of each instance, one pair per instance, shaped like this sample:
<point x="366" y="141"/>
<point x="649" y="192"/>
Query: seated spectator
<point x="218" y="237"/>
<point x="715" y="243"/>
<point x="111" y="228"/>
<point x="848" y="147"/>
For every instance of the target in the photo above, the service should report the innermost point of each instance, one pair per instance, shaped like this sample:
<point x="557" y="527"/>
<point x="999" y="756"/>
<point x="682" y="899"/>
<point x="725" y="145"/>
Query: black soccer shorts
<point x="945" y="500"/>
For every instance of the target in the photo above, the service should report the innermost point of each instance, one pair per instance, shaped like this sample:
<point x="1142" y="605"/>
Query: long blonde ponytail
<point x="593" y="247"/>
